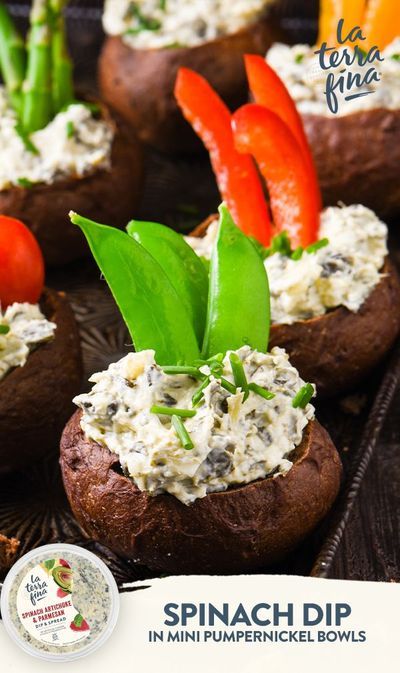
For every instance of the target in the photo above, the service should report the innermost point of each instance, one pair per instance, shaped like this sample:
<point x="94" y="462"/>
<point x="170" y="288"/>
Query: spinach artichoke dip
<point x="154" y="24"/>
<point x="22" y="328"/>
<point x="342" y="272"/>
<point x="224" y="435"/>
<point x="59" y="602"/>
<point x="300" y="71"/>
<point x="73" y="144"/>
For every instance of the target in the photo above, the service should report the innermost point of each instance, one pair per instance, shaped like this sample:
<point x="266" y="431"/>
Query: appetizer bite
<point x="335" y="294"/>
<point x="57" y="151"/>
<point x="40" y="360"/>
<point x="8" y="552"/>
<point x="200" y="452"/>
<point x="148" y="40"/>
<point x="357" y="148"/>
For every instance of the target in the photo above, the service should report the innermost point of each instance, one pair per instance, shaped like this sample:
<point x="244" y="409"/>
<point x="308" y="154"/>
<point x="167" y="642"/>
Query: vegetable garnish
<point x="149" y="304"/>
<point x="70" y="129"/>
<point x="269" y="91"/>
<point x="263" y="134"/>
<point x="258" y="390"/>
<point x="303" y="397"/>
<point x="322" y="243"/>
<point x="239" y="374"/>
<point x="198" y="395"/>
<point x="182" y="433"/>
<point x="4" y="329"/>
<point x="238" y="305"/>
<point x="188" y="371"/>
<point x="297" y="254"/>
<point x="227" y="385"/>
<point x="236" y="174"/>
<point x="26" y="139"/>
<point x="25" y="183"/>
<point x="183" y="267"/>
<point x="144" y="22"/>
<point x="21" y="264"/>
<point x="171" y="411"/>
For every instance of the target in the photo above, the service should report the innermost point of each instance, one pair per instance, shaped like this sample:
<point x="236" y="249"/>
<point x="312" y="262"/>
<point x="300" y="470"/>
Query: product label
<point x="45" y="606"/>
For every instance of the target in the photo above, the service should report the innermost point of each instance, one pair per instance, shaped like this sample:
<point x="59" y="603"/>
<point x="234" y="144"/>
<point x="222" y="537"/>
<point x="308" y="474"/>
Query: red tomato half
<point x="21" y="264"/>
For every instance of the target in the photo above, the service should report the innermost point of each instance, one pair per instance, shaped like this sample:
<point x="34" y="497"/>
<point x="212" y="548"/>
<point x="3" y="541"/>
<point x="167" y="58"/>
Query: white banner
<point x="244" y="624"/>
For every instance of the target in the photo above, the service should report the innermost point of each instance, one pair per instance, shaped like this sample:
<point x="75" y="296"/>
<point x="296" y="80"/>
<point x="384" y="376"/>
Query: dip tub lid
<point x="59" y="602"/>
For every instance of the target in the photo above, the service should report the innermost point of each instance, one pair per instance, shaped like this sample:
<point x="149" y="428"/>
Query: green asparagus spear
<point x="37" y="95"/>
<point x="62" y="81"/>
<point x="12" y="58"/>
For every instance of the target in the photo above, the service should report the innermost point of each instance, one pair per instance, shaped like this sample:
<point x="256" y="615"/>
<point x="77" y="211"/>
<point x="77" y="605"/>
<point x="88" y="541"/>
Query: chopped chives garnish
<point x="189" y="371"/>
<point x="25" y="183"/>
<point x="303" y="397"/>
<point x="317" y="245"/>
<point x="279" y="243"/>
<point x="70" y="129"/>
<point x="182" y="433"/>
<point x="4" y="329"/>
<point x="227" y="385"/>
<point x="199" y="393"/>
<point x="172" y="411"/>
<point x="26" y="139"/>
<point x="239" y="375"/>
<point x="266" y="394"/>
<point x="297" y="254"/>
<point x="216" y="358"/>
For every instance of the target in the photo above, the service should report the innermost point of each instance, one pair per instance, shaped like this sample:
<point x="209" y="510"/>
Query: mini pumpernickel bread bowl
<point x="139" y="82"/>
<point x="238" y="530"/>
<point x="35" y="399"/>
<point x="339" y="349"/>
<point x="58" y="152"/>
<point x="112" y="193"/>
<point x="187" y="460"/>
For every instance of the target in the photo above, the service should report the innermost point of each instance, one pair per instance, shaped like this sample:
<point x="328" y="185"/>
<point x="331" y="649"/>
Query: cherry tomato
<point x="21" y="263"/>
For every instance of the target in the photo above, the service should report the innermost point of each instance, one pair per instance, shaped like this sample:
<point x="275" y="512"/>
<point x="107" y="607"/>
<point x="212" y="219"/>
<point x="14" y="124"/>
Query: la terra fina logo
<point x="337" y="61"/>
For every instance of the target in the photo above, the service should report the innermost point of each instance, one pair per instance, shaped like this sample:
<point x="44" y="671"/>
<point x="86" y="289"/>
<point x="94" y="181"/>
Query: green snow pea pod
<point x="183" y="267"/>
<point x="149" y="304"/>
<point x="238" y="304"/>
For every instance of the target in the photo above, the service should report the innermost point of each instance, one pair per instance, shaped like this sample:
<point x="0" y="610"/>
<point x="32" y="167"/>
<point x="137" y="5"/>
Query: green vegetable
<point x="189" y="371"/>
<point x="266" y="394"/>
<point x="182" y="433"/>
<point x="303" y="396"/>
<point x="322" y="243"/>
<point x="70" y="129"/>
<point x="12" y="58"/>
<point x="299" y="58"/>
<point x="279" y="243"/>
<point x="182" y="266"/>
<point x="78" y="620"/>
<point x="227" y="385"/>
<point x="25" y="183"/>
<point x="163" y="5"/>
<point x="297" y="254"/>
<point x="395" y="57"/>
<point x="37" y="97"/>
<point x="4" y="329"/>
<point x="26" y="139"/>
<point x="238" y="304"/>
<point x="49" y="564"/>
<point x="239" y="374"/>
<point x="199" y="393"/>
<point x="143" y="22"/>
<point x="62" y="69"/>
<point x="172" y="411"/>
<point x="148" y="302"/>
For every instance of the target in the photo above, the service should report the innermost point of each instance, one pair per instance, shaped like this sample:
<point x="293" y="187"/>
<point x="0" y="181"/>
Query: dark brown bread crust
<point x="35" y="400"/>
<point x="139" y="84"/>
<point x="108" y="196"/>
<point x="358" y="158"/>
<point x="238" y="530"/>
<point x="339" y="349"/>
<point x="8" y="552"/>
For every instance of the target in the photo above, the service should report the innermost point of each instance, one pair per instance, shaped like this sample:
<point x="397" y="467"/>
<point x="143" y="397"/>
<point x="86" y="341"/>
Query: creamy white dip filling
<point x="73" y="144"/>
<point x="235" y="442"/>
<point x="154" y="24"/>
<point x="27" y="327"/>
<point x="343" y="273"/>
<point x="299" y="69"/>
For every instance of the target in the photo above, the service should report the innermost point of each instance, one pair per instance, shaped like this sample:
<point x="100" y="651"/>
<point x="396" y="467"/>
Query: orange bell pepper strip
<point x="262" y="133"/>
<point x="351" y="11"/>
<point x="236" y="173"/>
<point x="269" y="91"/>
<point x="382" y="23"/>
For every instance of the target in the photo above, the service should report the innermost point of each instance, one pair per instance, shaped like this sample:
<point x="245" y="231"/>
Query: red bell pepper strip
<point x="236" y="173"/>
<point x="269" y="91"/>
<point x="262" y="133"/>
